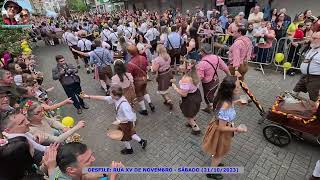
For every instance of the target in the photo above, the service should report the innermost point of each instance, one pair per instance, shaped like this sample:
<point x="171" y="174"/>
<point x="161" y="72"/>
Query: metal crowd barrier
<point x="263" y="56"/>
<point x="293" y="50"/>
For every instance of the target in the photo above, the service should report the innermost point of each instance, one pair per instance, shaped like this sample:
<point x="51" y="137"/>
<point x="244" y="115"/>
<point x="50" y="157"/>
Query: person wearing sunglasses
<point x="12" y="8"/>
<point x="25" y="17"/>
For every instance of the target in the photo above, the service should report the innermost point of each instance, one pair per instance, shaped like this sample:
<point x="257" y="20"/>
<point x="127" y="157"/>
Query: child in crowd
<point x="299" y="34"/>
<point x="125" y="117"/>
<point x="260" y="32"/>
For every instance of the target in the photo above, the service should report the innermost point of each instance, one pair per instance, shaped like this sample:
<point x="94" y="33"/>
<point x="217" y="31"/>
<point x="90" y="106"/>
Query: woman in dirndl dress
<point x="219" y="133"/>
<point x="125" y="80"/>
<point x="161" y="66"/>
<point x="191" y="97"/>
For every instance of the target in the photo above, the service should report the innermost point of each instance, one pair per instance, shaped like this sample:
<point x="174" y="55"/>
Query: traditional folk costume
<point x="138" y="68"/>
<point x="127" y="86"/>
<point x="126" y="119"/>
<point x="164" y="74"/>
<point x="215" y="142"/>
<point x="190" y="105"/>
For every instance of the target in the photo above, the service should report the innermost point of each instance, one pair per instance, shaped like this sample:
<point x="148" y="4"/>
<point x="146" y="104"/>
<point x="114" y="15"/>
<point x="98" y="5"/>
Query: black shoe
<point x="143" y="143"/>
<point x="127" y="151"/>
<point x="92" y="70"/>
<point x="85" y="106"/>
<point x="78" y="66"/>
<point x="88" y="71"/>
<point x="292" y="73"/>
<point x="220" y="164"/>
<point x="214" y="176"/>
<point x="152" y="107"/>
<point x="144" y="112"/>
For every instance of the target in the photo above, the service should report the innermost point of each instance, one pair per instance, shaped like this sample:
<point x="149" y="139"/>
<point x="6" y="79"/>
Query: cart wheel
<point x="277" y="135"/>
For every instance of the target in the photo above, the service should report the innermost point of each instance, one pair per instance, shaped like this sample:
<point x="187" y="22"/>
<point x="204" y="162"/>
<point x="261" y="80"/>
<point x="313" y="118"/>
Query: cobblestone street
<point x="171" y="144"/>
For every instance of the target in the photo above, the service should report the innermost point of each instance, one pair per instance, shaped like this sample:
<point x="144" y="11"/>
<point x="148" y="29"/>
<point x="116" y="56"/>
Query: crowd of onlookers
<point x="34" y="143"/>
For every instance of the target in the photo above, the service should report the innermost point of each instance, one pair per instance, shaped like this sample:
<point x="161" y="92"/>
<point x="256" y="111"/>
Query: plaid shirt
<point x="240" y="51"/>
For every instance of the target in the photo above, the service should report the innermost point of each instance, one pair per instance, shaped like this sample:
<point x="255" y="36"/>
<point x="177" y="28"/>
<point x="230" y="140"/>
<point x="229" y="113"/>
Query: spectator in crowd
<point x="223" y="19"/>
<point x="280" y="26"/>
<point x="71" y="158"/>
<point x="287" y="18"/>
<point x="215" y="26"/>
<point x="267" y="12"/>
<point x="274" y="15"/>
<point x="12" y="8"/>
<point x="308" y="15"/>
<point x="17" y="162"/>
<point x="243" y="21"/>
<point x="52" y="129"/>
<point x="230" y="21"/>
<point x="25" y="17"/>
<point x="250" y="33"/>
<point x="316" y="25"/>
<point x="256" y="17"/>
<point x="299" y="19"/>
<point x="233" y="27"/>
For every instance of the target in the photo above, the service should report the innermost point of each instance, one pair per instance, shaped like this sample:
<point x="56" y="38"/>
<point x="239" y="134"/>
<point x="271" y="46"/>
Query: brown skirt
<point x="140" y="87"/>
<point x="129" y="94"/>
<point x="209" y="89"/>
<point x="105" y="72"/>
<point x="128" y="131"/>
<point x="163" y="80"/>
<point x="190" y="104"/>
<point x="216" y="142"/>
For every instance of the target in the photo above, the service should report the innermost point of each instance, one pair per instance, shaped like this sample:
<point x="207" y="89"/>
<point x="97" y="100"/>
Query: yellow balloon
<point x="287" y="65"/>
<point x="279" y="57"/>
<point x="68" y="121"/>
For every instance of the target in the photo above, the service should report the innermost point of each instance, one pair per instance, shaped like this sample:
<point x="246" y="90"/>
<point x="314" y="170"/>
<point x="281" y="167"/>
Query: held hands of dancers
<point x="68" y="101"/>
<point x="84" y="96"/>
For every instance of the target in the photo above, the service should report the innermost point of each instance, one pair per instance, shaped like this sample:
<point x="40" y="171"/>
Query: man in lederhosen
<point x="105" y="35"/>
<point x="207" y="70"/>
<point x="173" y="44"/>
<point x="85" y="46"/>
<point x="137" y="66"/>
<point x="310" y="69"/>
<point x="151" y="36"/>
<point x="72" y="42"/>
<point x="102" y="59"/>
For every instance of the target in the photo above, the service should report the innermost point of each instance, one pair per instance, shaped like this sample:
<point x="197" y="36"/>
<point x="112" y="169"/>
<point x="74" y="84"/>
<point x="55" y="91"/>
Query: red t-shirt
<point x="299" y="34"/>
<point x="9" y="21"/>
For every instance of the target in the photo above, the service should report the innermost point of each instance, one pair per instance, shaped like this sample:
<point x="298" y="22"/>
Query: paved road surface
<point x="170" y="142"/>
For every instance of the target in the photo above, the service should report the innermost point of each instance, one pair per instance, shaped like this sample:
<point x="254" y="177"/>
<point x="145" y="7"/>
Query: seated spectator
<point x="51" y="129"/>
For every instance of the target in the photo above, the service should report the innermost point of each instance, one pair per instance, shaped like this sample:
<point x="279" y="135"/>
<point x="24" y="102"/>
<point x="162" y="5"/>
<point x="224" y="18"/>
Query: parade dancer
<point x="102" y="59"/>
<point x="125" y="117"/>
<point x="161" y="66"/>
<point x="72" y="42"/>
<point x="85" y="46"/>
<point x="191" y="97"/>
<point x="138" y="68"/>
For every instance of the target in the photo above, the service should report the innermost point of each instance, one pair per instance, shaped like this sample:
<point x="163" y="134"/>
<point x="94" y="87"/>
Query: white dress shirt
<point x="151" y="34"/>
<point x="125" y="112"/>
<point x="84" y="44"/>
<point x="105" y="34"/>
<point x="70" y="38"/>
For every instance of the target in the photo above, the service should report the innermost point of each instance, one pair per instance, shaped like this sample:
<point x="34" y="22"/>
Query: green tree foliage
<point x="77" y="5"/>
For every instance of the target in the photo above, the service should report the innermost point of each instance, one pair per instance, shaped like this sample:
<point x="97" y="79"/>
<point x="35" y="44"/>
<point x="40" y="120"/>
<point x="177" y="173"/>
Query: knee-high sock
<point x="147" y="98"/>
<point x="136" y="137"/>
<point x="127" y="144"/>
<point x="142" y="105"/>
<point x="103" y="84"/>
